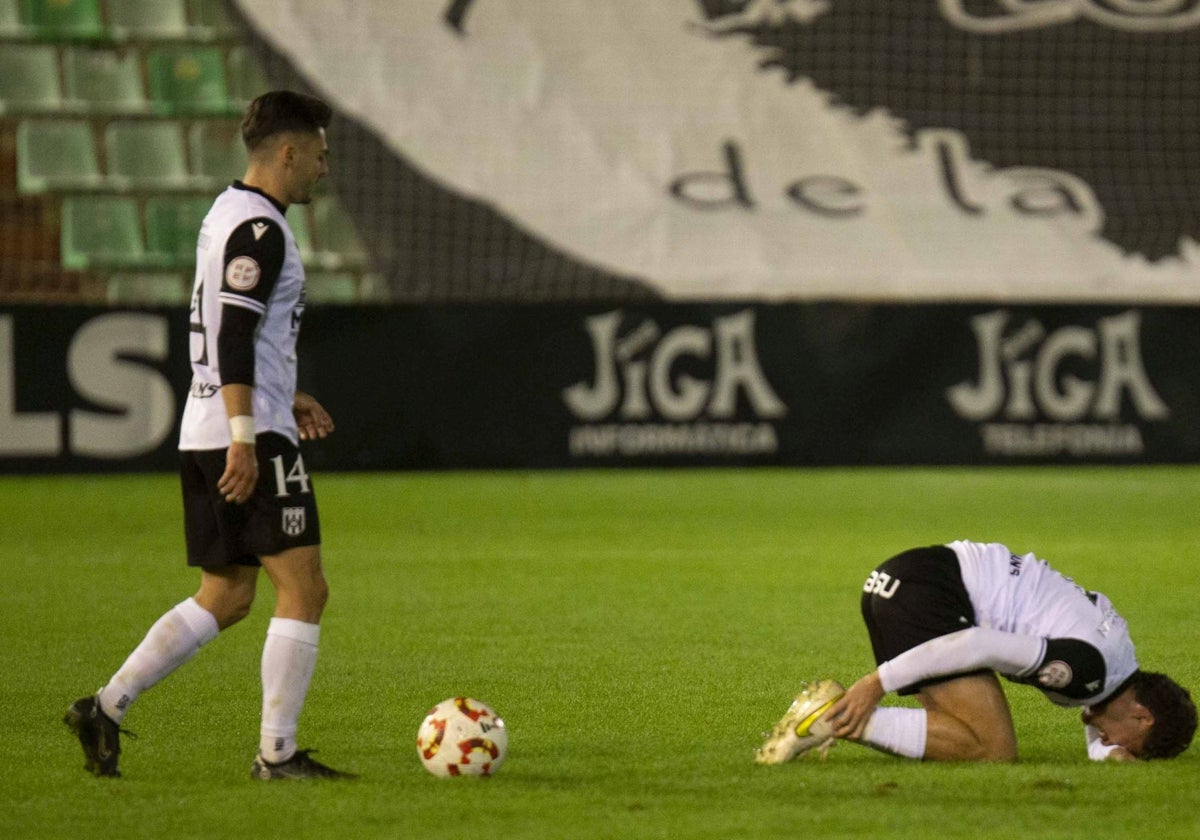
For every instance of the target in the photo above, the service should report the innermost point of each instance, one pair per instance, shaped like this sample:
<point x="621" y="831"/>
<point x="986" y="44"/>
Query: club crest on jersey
<point x="242" y="273"/>
<point x="1056" y="674"/>
<point x="294" y="521"/>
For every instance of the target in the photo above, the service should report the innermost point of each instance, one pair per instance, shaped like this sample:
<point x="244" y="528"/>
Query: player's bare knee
<point x="235" y="613"/>
<point x="319" y="596"/>
<point x="1001" y="750"/>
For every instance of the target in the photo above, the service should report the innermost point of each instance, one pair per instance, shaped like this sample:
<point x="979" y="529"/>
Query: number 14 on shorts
<point x="296" y="474"/>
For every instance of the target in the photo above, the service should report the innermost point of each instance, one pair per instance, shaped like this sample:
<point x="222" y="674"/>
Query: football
<point x="462" y="737"/>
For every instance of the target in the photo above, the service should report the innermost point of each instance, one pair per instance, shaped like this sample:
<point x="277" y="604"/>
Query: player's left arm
<point x="955" y="653"/>
<point x="850" y="714"/>
<point x="312" y="420"/>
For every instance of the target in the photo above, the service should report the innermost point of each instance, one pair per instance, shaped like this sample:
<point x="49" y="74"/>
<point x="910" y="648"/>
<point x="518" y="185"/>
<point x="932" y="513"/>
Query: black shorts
<point x="281" y="513"/>
<point x="912" y="598"/>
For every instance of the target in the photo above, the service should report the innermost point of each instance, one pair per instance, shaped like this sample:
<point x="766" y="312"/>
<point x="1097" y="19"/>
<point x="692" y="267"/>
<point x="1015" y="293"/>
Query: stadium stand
<point x="56" y="155"/>
<point x="215" y="149"/>
<point x="101" y="231"/>
<point x="29" y="80"/>
<point x="10" y="19"/>
<point x="65" y="20"/>
<point x="147" y="19"/>
<point x="119" y="121"/>
<point x="188" y="80"/>
<point x="146" y="155"/>
<point x="103" y="81"/>
<point x="171" y="225"/>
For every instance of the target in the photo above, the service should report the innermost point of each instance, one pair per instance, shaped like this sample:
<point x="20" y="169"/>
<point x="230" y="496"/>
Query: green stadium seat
<point x="101" y="231"/>
<point x="172" y="227"/>
<point x="246" y="77"/>
<point x="29" y="79"/>
<point x="211" y="21"/>
<point x="103" y="81"/>
<point x="10" y="19"/>
<point x="338" y="287"/>
<point x="338" y="243"/>
<point x="147" y="19"/>
<point x="65" y="20"/>
<point x="188" y="80"/>
<point x="56" y="155"/>
<point x="217" y="153"/>
<point x="148" y="289"/>
<point x="146" y="155"/>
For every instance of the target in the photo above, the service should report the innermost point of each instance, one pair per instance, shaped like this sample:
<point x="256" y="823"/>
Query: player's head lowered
<point x="284" y="133"/>
<point x="1151" y="716"/>
<point x="1173" y="710"/>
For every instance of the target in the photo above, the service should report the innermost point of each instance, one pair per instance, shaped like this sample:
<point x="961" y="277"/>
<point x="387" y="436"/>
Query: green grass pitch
<point x="638" y="631"/>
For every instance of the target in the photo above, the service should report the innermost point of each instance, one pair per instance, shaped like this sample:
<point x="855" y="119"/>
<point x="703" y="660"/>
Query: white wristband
<point x="241" y="428"/>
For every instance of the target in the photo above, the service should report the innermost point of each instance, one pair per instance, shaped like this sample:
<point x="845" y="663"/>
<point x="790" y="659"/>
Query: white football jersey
<point x="1022" y="594"/>
<point x="246" y="256"/>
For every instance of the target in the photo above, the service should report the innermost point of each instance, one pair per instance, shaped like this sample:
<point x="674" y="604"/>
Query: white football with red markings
<point x="462" y="736"/>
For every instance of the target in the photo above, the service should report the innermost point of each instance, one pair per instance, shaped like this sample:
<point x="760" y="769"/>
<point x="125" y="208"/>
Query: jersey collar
<point x="238" y="185"/>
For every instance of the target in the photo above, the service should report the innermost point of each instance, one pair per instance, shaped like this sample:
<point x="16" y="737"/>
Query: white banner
<point x="625" y="134"/>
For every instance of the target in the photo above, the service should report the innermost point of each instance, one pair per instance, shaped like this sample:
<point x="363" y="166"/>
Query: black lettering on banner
<point x="456" y="14"/>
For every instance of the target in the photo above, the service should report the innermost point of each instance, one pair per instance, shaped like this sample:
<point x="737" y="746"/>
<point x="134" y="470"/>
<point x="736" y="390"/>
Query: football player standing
<point x="248" y="500"/>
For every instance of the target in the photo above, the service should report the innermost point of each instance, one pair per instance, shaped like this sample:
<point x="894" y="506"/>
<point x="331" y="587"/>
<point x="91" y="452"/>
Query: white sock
<point x="173" y="640"/>
<point x="288" y="659"/>
<point x="897" y="731"/>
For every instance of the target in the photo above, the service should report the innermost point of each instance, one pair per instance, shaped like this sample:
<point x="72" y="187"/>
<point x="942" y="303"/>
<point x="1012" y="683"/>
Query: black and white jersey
<point x="246" y="259"/>
<point x="1087" y="653"/>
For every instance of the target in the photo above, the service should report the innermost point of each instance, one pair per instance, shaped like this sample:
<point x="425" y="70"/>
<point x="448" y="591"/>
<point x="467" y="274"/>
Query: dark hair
<point x="280" y="111"/>
<point x="1173" y="710"/>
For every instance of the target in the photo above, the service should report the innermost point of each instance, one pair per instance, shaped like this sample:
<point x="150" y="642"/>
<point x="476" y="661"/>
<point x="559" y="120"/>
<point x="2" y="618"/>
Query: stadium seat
<point x="188" y="80"/>
<point x="246" y="77"/>
<point x="56" y="155"/>
<point x="148" y="289"/>
<point x="147" y="19"/>
<point x="103" y="81"/>
<point x="337" y="241"/>
<point x="210" y="21"/>
<point x="65" y="20"/>
<point x="330" y="287"/>
<point x="10" y="19"/>
<point x="29" y="79"/>
<point x="146" y="155"/>
<point x="217" y="153"/>
<point x="172" y="226"/>
<point x="101" y="231"/>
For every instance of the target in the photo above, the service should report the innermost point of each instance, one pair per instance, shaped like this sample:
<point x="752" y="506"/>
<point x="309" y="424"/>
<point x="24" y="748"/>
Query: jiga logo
<point x="638" y="376"/>
<point x="1023" y="372"/>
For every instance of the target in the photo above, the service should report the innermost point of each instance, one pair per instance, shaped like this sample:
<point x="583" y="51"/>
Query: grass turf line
<point x="638" y="631"/>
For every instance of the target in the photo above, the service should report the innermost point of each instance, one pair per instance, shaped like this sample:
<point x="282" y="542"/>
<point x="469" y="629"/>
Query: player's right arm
<point x="241" y="459"/>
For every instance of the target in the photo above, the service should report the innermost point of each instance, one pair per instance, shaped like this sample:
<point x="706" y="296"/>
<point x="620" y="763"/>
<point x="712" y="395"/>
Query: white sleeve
<point x="965" y="650"/>
<point x="1096" y="750"/>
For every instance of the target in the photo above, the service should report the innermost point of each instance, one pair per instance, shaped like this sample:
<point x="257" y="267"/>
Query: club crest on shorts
<point x="294" y="521"/>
